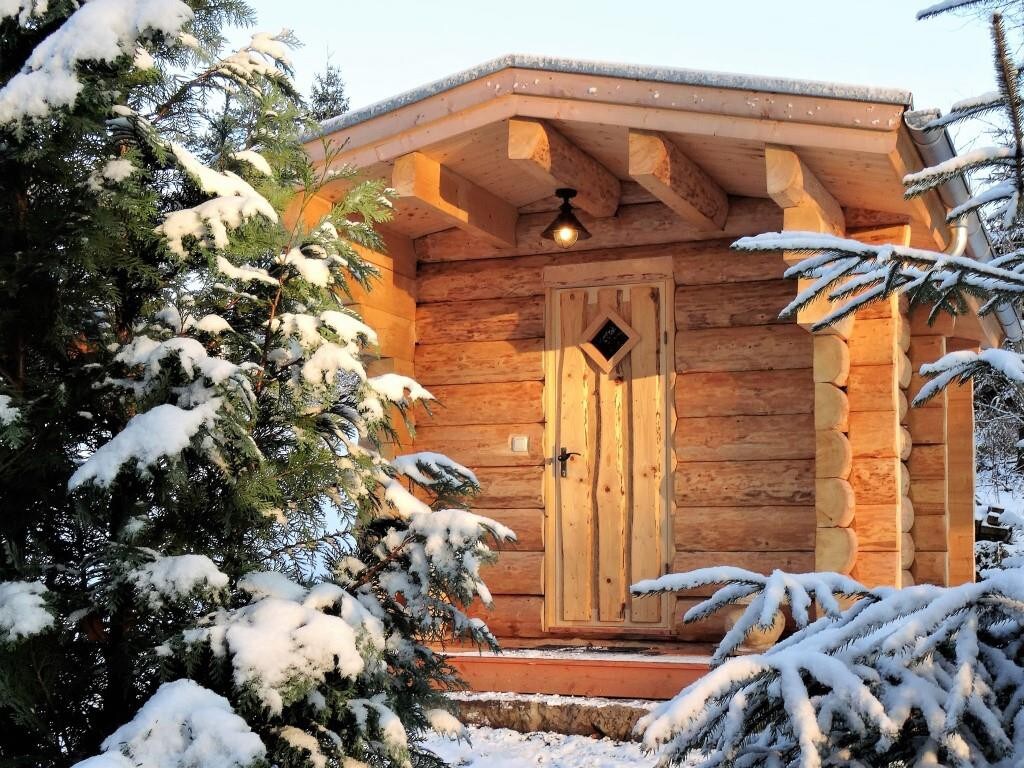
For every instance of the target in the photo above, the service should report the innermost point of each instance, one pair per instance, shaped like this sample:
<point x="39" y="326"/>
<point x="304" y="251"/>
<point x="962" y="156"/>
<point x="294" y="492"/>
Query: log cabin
<point x="634" y="405"/>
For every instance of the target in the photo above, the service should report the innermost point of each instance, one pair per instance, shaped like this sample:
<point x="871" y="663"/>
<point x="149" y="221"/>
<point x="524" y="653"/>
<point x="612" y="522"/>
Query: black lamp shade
<point x="566" y="229"/>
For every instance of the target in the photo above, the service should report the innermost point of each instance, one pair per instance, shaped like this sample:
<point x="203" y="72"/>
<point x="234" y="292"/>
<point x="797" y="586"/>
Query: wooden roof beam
<point x="662" y="169"/>
<point x="427" y="183"/>
<point x="551" y="158"/>
<point x="807" y="205"/>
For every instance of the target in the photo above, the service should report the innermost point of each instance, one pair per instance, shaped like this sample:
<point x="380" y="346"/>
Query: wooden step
<point x="607" y="675"/>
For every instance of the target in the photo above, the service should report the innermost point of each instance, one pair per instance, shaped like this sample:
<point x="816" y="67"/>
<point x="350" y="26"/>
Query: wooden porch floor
<point x="615" y="673"/>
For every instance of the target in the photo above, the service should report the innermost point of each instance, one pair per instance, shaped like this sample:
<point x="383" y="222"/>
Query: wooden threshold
<point x="611" y="676"/>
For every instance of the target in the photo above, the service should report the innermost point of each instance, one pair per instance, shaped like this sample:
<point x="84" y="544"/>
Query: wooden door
<point x="610" y="357"/>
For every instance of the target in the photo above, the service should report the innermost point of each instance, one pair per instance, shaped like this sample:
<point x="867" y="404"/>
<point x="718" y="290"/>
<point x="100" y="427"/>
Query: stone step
<point x="571" y="715"/>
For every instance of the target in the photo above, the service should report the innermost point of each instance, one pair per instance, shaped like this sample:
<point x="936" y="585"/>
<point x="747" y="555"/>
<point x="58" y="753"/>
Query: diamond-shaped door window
<point x="608" y="339"/>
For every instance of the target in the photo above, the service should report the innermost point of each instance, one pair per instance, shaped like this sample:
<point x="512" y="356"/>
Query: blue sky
<point x="384" y="48"/>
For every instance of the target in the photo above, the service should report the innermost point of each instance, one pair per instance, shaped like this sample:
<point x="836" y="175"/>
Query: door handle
<point x="563" y="460"/>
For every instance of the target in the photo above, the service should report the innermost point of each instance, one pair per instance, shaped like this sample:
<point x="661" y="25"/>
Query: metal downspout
<point x="968" y="234"/>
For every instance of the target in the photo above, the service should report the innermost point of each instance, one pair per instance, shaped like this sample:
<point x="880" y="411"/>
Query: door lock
<point x="563" y="460"/>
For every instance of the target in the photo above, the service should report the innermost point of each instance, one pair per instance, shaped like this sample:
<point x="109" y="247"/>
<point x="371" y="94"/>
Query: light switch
<point x="519" y="443"/>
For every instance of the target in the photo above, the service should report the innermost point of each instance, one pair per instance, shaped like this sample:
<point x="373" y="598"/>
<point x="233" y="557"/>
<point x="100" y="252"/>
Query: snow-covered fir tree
<point x="327" y="97"/>
<point x="922" y="676"/>
<point x="204" y="557"/>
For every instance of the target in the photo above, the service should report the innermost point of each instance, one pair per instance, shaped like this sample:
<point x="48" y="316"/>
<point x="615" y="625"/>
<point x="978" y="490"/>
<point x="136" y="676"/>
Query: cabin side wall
<point x="744" y="394"/>
<point x="941" y="469"/>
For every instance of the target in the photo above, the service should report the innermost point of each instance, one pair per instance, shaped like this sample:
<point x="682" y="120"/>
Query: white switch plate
<point x="519" y="443"/>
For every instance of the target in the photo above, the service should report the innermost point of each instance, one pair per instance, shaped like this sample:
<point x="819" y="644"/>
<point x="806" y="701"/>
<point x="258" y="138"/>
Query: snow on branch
<point x="159" y="433"/>
<point x="98" y="31"/>
<point x="176" y="577"/>
<point x="765" y="596"/>
<point x="281" y="648"/>
<point x="898" y="674"/>
<point x="966" y="364"/>
<point x="427" y="468"/>
<point x="182" y="724"/>
<point x="22" y="610"/>
<point x="937" y="175"/>
<point x="852" y="274"/>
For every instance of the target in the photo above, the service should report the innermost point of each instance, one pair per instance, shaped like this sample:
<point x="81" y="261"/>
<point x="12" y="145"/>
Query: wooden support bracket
<point x="547" y="155"/>
<point x="467" y="206"/>
<point x="662" y="169"/>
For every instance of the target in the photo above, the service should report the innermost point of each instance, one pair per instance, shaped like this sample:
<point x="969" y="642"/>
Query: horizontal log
<point x="943" y="324"/>
<point x="872" y="387"/>
<point x="907" y="515"/>
<point x="484" y="445"/>
<point x="904" y="369"/>
<point x="907" y="550"/>
<point x="732" y="304"/>
<point x="477" y="362"/>
<point x="929" y="533"/>
<point x="396" y="336"/>
<point x="877" y="569"/>
<point x="929" y="497"/>
<point x="831" y="360"/>
<point x="527" y="524"/>
<point x="514" y="402"/>
<point x="398" y="256"/>
<point x="389" y="292"/>
<point x="832" y="454"/>
<point x="727" y="529"/>
<point x="876" y="481"/>
<point x="486" y="320"/>
<point x="641" y="224"/>
<point x="745" y="483"/>
<point x="927" y="425"/>
<point x="515" y="573"/>
<point x="878" y="527"/>
<point x="831" y="408"/>
<point x="834" y="502"/>
<point x="757" y="348"/>
<point x="759" y="562"/>
<point x="907" y="579"/>
<point x="512" y="615"/>
<point x="707" y="263"/>
<point x="916" y="382"/>
<point x="742" y="393"/>
<point x="930" y="568"/>
<point x="835" y="550"/>
<point x="509" y="487"/>
<point x="874" y="342"/>
<point x="711" y="629"/>
<point x="927" y="461"/>
<point x="875" y="434"/>
<point x="745" y="438"/>
<point x="925" y="349"/>
<point x="903" y="333"/>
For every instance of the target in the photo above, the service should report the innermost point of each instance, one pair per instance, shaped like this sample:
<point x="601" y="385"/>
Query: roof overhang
<point x="456" y="135"/>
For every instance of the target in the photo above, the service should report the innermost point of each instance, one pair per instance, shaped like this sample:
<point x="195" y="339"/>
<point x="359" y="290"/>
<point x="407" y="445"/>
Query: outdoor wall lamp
<point x="566" y="229"/>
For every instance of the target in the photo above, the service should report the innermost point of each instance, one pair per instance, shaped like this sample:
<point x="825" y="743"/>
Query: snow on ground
<point x="501" y="748"/>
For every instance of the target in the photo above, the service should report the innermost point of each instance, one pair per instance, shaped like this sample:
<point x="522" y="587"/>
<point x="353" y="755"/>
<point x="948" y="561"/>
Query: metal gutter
<point x="936" y="147"/>
<point x="669" y="75"/>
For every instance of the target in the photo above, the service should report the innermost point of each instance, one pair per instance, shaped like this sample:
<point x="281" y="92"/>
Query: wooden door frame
<point x="652" y="270"/>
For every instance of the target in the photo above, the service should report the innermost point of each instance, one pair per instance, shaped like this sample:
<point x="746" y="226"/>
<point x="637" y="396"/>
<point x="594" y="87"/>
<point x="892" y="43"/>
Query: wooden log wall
<point x="744" y="397"/>
<point x="878" y="346"/>
<point x="942" y="466"/>
<point x="927" y="466"/>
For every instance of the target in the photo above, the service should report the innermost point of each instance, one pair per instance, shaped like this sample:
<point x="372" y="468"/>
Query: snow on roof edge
<point x="672" y="75"/>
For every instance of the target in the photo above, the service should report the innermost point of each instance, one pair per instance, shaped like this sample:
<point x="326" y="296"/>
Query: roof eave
<point x="668" y="75"/>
